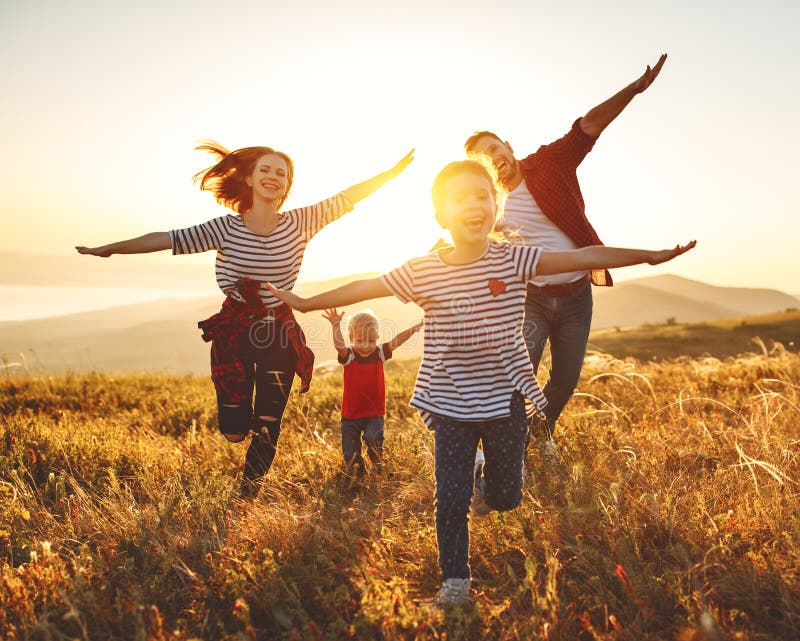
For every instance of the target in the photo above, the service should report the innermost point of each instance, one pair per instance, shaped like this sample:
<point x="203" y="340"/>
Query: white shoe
<point x="478" y="504"/>
<point x="454" y="592"/>
<point x="550" y="453"/>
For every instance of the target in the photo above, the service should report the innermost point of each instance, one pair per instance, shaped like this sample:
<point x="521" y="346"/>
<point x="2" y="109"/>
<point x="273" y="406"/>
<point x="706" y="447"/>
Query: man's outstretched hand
<point x="649" y="75"/>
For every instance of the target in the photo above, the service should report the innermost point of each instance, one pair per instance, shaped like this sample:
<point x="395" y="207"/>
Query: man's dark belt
<point x="559" y="290"/>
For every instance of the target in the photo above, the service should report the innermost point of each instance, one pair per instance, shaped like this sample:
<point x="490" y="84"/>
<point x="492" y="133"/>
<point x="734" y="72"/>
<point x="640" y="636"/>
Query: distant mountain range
<point x="656" y="298"/>
<point x="162" y="336"/>
<point x="65" y="270"/>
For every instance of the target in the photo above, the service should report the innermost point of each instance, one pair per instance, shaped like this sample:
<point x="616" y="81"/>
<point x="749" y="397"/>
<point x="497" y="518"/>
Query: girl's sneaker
<point x="478" y="504"/>
<point x="454" y="592"/>
<point x="551" y="454"/>
<point x="552" y="458"/>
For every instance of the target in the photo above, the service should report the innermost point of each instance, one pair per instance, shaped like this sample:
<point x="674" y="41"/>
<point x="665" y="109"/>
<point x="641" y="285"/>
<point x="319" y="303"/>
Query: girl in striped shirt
<point x="256" y="343"/>
<point x="475" y="373"/>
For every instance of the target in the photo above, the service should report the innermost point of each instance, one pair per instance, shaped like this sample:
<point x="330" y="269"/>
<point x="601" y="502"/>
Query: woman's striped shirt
<point x="242" y="253"/>
<point x="474" y="356"/>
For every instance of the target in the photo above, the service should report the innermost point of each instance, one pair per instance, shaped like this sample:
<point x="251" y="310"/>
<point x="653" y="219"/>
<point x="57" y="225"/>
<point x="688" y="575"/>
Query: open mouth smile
<point x="474" y="224"/>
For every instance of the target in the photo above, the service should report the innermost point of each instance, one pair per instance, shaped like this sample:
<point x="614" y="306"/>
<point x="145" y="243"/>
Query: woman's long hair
<point x="227" y="179"/>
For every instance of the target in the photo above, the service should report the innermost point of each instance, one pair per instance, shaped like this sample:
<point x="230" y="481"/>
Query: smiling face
<point x="466" y="206"/>
<point x="502" y="157"/>
<point x="269" y="179"/>
<point x="364" y="339"/>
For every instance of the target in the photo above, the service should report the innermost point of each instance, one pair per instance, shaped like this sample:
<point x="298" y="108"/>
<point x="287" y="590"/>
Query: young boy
<point x="363" y="390"/>
<point x="475" y="371"/>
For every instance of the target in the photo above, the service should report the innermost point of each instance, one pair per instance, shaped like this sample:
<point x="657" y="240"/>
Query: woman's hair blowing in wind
<point x="227" y="179"/>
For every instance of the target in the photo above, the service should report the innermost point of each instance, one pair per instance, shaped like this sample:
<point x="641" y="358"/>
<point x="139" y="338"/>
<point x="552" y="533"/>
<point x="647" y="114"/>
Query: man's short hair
<point x="473" y="139"/>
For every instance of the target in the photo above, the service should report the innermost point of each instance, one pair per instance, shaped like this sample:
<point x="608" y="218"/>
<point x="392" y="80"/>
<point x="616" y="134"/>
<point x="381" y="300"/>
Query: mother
<point x="256" y="343"/>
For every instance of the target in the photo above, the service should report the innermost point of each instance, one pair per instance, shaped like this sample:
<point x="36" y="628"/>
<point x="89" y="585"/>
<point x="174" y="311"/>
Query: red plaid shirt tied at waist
<point x="550" y="175"/>
<point x="225" y="328"/>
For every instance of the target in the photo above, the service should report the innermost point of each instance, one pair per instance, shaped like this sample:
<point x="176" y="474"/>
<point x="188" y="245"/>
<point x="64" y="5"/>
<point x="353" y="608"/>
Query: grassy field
<point x="677" y="518"/>
<point x="721" y="338"/>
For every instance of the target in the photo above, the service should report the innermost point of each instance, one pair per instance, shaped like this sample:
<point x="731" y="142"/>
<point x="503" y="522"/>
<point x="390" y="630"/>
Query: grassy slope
<point x="678" y="517"/>
<point x="128" y="339"/>
<point x="720" y="338"/>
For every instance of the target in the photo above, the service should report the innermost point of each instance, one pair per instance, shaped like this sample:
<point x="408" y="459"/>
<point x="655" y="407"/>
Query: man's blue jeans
<point x="565" y="321"/>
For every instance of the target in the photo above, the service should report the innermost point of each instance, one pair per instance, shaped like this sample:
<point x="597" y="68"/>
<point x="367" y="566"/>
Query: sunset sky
<point x="102" y="106"/>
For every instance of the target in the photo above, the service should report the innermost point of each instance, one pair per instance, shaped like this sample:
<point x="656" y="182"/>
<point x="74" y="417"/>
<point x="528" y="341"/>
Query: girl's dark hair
<point x="227" y="179"/>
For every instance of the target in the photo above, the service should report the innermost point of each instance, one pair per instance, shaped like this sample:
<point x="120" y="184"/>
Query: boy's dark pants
<point x="352" y="430"/>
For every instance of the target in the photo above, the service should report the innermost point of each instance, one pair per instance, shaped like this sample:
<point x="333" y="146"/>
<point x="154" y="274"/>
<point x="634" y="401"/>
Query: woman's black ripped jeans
<point x="269" y="365"/>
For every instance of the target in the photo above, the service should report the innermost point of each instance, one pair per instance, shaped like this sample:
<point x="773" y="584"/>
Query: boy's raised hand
<point x="333" y="317"/>
<point x="668" y="254"/>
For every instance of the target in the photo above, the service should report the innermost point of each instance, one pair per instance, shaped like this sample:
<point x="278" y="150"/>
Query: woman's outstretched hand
<point x="363" y="189"/>
<point x="668" y="254"/>
<point x="152" y="242"/>
<point x="103" y="252"/>
<point x="290" y="298"/>
<point x="404" y="162"/>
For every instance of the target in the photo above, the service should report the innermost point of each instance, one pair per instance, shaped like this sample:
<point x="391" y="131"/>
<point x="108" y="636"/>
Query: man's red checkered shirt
<point x="550" y="175"/>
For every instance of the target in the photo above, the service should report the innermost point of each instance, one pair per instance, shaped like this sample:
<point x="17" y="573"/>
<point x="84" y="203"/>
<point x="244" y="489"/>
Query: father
<point x="545" y="207"/>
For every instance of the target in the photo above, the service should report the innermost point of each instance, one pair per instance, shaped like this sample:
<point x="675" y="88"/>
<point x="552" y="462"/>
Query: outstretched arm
<point x="600" y="257"/>
<point x="153" y="242"/>
<point x="348" y="294"/>
<point x="335" y="319"/>
<point x="364" y="189"/>
<point x="598" y="118"/>
<point x="403" y="336"/>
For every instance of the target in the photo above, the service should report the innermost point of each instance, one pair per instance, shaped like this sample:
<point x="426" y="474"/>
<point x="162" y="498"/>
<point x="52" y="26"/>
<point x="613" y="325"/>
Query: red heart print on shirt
<point x="497" y="287"/>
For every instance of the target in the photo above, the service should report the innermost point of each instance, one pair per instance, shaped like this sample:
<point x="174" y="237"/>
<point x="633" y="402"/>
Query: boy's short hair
<point x="362" y="320"/>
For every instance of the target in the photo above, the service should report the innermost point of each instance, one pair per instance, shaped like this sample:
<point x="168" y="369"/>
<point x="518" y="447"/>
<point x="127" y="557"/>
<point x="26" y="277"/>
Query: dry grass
<point x="677" y="517"/>
<point x="721" y="338"/>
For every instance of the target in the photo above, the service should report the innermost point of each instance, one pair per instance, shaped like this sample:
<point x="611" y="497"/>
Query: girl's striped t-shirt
<point x="474" y="356"/>
<point x="242" y="253"/>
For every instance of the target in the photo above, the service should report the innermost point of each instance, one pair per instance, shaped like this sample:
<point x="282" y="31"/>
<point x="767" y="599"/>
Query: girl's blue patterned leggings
<point x="456" y="443"/>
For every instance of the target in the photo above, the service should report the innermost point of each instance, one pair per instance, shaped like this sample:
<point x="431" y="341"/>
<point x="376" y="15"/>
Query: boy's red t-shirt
<point x="364" y="389"/>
